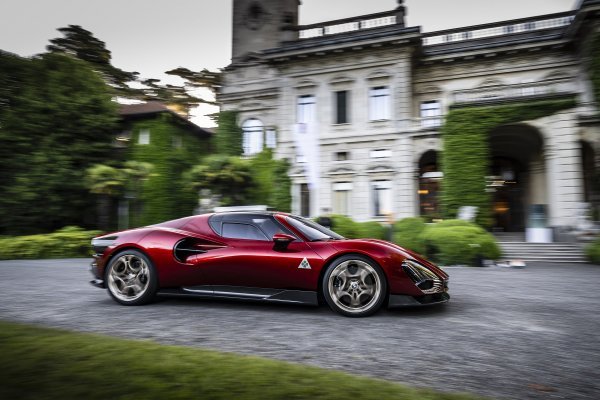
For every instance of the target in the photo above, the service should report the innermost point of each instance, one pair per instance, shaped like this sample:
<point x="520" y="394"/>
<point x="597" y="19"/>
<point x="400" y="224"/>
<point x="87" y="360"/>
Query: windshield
<point x="313" y="231"/>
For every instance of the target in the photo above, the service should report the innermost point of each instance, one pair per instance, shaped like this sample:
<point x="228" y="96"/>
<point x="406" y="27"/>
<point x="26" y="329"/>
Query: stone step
<point x="525" y="250"/>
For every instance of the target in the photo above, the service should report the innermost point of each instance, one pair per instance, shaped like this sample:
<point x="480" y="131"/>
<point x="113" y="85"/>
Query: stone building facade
<point x="376" y="92"/>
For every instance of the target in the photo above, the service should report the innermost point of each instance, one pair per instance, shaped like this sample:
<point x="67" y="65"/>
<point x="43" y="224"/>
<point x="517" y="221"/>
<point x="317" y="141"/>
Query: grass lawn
<point x="40" y="363"/>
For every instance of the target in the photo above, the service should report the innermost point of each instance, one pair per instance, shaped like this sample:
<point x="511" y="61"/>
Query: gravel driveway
<point x="532" y="333"/>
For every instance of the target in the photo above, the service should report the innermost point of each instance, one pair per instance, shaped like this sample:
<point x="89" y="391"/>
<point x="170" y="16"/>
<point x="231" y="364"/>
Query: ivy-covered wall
<point x="228" y="137"/>
<point x="466" y="153"/>
<point x="173" y="149"/>
<point x="595" y="66"/>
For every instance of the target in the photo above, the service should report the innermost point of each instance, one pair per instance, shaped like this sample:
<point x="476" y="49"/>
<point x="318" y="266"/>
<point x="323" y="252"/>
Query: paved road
<point x="516" y="334"/>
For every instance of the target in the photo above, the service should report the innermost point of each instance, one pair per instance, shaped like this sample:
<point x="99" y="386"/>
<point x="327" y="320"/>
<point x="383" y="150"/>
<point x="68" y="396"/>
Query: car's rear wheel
<point x="354" y="286"/>
<point x="131" y="278"/>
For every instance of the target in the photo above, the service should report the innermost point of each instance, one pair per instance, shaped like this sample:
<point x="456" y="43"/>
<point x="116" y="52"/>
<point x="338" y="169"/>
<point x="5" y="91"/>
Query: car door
<point x="252" y="260"/>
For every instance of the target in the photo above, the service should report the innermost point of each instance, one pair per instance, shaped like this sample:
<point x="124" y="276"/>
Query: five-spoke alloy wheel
<point x="131" y="278"/>
<point x="354" y="286"/>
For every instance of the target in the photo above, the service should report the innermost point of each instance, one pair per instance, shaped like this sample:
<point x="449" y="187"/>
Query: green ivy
<point x="165" y="194"/>
<point x="228" y="137"/>
<point x="466" y="155"/>
<point x="595" y="66"/>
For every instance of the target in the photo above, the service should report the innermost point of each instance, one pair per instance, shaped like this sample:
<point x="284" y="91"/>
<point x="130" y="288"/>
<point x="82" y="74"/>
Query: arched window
<point x="253" y="140"/>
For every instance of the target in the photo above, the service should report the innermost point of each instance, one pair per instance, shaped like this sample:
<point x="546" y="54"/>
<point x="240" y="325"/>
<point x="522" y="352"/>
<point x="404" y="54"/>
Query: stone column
<point x="563" y="163"/>
<point x="404" y="181"/>
<point x="402" y="90"/>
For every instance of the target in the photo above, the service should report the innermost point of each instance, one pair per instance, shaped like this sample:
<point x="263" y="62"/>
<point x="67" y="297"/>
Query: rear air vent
<point x="191" y="246"/>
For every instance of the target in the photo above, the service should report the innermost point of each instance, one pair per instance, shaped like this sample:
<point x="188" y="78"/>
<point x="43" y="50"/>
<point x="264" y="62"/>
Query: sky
<point x="151" y="36"/>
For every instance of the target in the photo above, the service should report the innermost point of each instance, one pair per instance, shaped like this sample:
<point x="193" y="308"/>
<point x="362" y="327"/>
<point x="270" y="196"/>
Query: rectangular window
<point x="271" y="139"/>
<point x="144" y="137"/>
<point x="341" y="107"/>
<point x="431" y="113"/>
<point x="341" y="156"/>
<point x="306" y="109"/>
<point x="341" y="198"/>
<point x="379" y="103"/>
<point x="380" y="153"/>
<point x="304" y="200"/>
<point x="381" y="198"/>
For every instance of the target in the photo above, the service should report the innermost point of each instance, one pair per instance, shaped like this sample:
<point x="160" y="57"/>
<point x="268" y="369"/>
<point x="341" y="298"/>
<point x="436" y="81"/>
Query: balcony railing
<point x="523" y="26"/>
<point x="501" y="92"/>
<point x="347" y="25"/>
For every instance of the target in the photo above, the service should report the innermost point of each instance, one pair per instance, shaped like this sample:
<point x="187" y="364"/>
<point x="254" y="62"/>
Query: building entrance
<point x="517" y="180"/>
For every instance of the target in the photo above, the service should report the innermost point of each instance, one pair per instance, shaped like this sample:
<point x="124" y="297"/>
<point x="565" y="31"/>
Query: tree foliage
<point x="83" y="45"/>
<point x="56" y="120"/>
<point x="466" y="155"/>
<point x="272" y="183"/>
<point x="229" y="177"/>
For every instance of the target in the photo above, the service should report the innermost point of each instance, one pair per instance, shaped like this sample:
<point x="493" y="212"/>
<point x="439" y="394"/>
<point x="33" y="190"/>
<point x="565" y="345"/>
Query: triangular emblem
<point x="304" y="264"/>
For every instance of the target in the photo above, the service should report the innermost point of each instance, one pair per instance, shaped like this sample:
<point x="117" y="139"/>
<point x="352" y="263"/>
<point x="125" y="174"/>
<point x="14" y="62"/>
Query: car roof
<point x="250" y="213"/>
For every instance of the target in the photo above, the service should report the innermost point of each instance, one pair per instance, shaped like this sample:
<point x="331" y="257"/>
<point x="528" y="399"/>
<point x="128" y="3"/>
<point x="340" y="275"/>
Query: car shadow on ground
<point x="259" y="306"/>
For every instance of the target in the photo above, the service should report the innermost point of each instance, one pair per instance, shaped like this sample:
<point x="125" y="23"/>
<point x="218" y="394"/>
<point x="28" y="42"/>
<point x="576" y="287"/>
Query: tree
<point x="183" y="98"/>
<point x="110" y="183"/>
<point x="272" y="183"/>
<point x="228" y="177"/>
<point x="57" y="121"/>
<point x="212" y="80"/>
<point x="107" y="182"/>
<point x="82" y="44"/>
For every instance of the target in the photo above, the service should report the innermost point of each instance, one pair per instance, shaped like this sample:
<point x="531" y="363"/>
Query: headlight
<point x="425" y="280"/>
<point x="101" y="243"/>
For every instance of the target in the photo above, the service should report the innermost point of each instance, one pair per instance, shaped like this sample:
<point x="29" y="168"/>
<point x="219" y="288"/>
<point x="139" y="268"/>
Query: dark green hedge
<point x="592" y="251"/>
<point x="65" y="243"/>
<point x="355" y="230"/>
<point x="466" y="155"/>
<point x="407" y="233"/>
<point x="447" y="242"/>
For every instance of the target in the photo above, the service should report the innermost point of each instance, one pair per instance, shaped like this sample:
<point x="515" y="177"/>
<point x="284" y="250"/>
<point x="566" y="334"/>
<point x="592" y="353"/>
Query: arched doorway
<point x="430" y="177"/>
<point x="517" y="178"/>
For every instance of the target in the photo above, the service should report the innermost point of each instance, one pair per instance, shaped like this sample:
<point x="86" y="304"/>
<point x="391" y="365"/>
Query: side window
<point x="242" y="231"/>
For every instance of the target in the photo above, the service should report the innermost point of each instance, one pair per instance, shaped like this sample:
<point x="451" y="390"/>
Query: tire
<point x="131" y="278"/>
<point x="354" y="286"/>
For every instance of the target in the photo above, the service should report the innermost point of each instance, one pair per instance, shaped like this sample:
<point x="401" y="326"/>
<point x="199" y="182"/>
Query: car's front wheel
<point x="131" y="278"/>
<point x="354" y="286"/>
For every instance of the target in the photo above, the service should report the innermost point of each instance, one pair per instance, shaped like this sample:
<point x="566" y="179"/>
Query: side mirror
<point x="282" y="240"/>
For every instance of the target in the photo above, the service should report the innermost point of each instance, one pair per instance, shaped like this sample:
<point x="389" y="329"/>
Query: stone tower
<point x="262" y="24"/>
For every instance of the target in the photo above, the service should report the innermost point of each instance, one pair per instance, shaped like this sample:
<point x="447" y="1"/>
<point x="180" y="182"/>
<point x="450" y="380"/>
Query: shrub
<point x="67" y="242"/>
<point x="357" y="230"/>
<point x="592" y="251"/>
<point x="407" y="234"/>
<point x="456" y="244"/>
<point x="372" y="230"/>
<point x="446" y="242"/>
<point x="345" y="226"/>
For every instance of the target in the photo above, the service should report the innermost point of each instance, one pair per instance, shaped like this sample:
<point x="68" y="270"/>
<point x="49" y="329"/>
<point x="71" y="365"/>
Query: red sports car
<point x="267" y="256"/>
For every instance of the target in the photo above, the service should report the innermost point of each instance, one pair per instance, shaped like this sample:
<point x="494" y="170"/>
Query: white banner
<point x="307" y="146"/>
